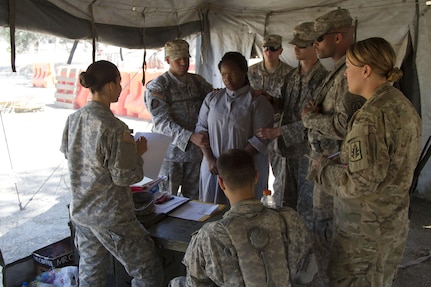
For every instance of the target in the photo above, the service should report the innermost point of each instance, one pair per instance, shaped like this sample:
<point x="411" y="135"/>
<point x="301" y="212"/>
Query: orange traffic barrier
<point x="135" y="100"/>
<point x="83" y="95"/>
<point x="62" y="77"/>
<point x="43" y="75"/>
<point x="67" y="87"/>
<point x="119" y="108"/>
<point x="71" y="94"/>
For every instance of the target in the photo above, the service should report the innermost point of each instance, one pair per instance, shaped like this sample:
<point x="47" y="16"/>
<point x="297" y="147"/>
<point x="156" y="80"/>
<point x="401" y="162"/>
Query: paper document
<point x="170" y="205"/>
<point x="195" y="210"/>
<point x="144" y="181"/>
<point x="157" y="146"/>
<point x="148" y="184"/>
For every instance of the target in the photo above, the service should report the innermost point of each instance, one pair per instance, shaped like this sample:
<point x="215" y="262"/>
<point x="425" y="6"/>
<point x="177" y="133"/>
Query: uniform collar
<point x="245" y="208"/>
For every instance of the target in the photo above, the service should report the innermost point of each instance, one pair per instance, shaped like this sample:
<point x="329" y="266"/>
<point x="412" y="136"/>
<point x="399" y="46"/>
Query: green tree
<point x="25" y="40"/>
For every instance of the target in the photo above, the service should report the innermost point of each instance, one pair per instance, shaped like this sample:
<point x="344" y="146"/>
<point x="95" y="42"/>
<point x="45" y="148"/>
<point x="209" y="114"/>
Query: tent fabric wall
<point x="228" y="29"/>
<point x="423" y="62"/>
<point x="43" y="17"/>
<point x="234" y="25"/>
<point x="132" y="13"/>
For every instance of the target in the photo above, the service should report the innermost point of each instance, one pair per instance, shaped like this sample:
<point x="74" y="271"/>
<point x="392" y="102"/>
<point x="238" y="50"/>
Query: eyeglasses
<point x="322" y="37"/>
<point x="272" y="49"/>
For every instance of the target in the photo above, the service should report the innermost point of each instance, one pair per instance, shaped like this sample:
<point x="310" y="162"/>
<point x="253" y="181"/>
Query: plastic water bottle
<point x="267" y="199"/>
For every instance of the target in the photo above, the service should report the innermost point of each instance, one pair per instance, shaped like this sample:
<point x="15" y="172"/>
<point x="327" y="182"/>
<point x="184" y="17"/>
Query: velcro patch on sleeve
<point x="355" y="151"/>
<point x="158" y="94"/>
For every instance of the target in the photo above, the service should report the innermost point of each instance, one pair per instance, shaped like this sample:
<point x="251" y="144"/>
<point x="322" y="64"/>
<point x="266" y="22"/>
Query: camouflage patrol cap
<point x="334" y="19"/>
<point x="272" y="40"/>
<point x="177" y="49"/>
<point x="304" y="35"/>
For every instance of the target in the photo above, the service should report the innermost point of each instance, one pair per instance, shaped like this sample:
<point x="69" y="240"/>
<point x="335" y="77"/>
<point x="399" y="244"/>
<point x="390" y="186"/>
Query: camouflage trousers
<point x="322" y="249"/>
<point x="291" y="188"/>
<point x="348" y="268"/>
<point x="184" y="174"/>
<point x="305" y="194"/>
<point x="285" y="184"/>
<point x="178" y="282"/>
<point x="323" y="231"/>
<point x="130" y="243"/>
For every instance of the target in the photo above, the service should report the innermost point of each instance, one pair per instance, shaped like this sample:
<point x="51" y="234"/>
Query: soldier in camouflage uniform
<point x="174" y="99"/>
<point x="326" y="118"/>
<point x="370" y="182"/>
<point x="290" y="136"/>
<point x="103" y="161"/>
<point x="268" y="78"/>
<point x="252" y="245"/>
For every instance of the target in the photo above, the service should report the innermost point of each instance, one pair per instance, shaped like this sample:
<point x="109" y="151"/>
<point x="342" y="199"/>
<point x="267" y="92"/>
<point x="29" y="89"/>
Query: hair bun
<point x="86" y="80"/>
<point x="394" y="75"/>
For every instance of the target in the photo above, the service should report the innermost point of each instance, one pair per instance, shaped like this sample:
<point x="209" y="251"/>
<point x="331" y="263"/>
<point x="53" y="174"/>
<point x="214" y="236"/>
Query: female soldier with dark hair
<point x="104" y="160"/>
<point x="231" y="117"/>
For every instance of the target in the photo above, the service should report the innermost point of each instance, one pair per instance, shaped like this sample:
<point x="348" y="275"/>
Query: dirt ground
<point x="418" y="248"/>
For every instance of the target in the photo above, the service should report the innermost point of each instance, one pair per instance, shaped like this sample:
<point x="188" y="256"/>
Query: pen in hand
<point x="331" y="156"/>
<point x="334" y="155"/>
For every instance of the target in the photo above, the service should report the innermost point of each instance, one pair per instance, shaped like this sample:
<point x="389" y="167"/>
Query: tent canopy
<point x="234" y="25"/>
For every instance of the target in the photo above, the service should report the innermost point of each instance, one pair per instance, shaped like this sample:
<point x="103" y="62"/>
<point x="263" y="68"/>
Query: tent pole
<point x="416" y="40"/>
<point x="10" y="161"/>
<point x="144" y="43"/>
<point x="93" y="30"/>
<point x="12" y="22"/>
<point x="72" y="52"/>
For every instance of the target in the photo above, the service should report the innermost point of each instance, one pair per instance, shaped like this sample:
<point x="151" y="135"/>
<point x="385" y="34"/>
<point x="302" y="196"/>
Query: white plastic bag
<point x="58" y="277"/>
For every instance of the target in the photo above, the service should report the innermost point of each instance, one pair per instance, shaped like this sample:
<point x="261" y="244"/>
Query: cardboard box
<point x="56" y="255"/>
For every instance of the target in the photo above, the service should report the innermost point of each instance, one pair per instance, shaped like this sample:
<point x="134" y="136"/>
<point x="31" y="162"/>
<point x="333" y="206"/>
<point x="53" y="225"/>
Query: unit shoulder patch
<point x="158" y="94"/>
<point x="355" y="151"/>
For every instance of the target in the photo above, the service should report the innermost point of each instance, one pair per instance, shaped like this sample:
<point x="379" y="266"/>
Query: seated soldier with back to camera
<point x="252" y="245"/>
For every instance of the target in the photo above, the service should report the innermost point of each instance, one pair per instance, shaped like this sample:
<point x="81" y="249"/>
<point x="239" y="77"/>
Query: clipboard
<point x="196" y="210"/>
<point x="170" y="205"/>
<point x="157" y="146"/>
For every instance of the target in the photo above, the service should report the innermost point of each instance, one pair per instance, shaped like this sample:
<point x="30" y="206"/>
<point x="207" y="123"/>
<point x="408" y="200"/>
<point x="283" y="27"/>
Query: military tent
<point x="233" y="25"/>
